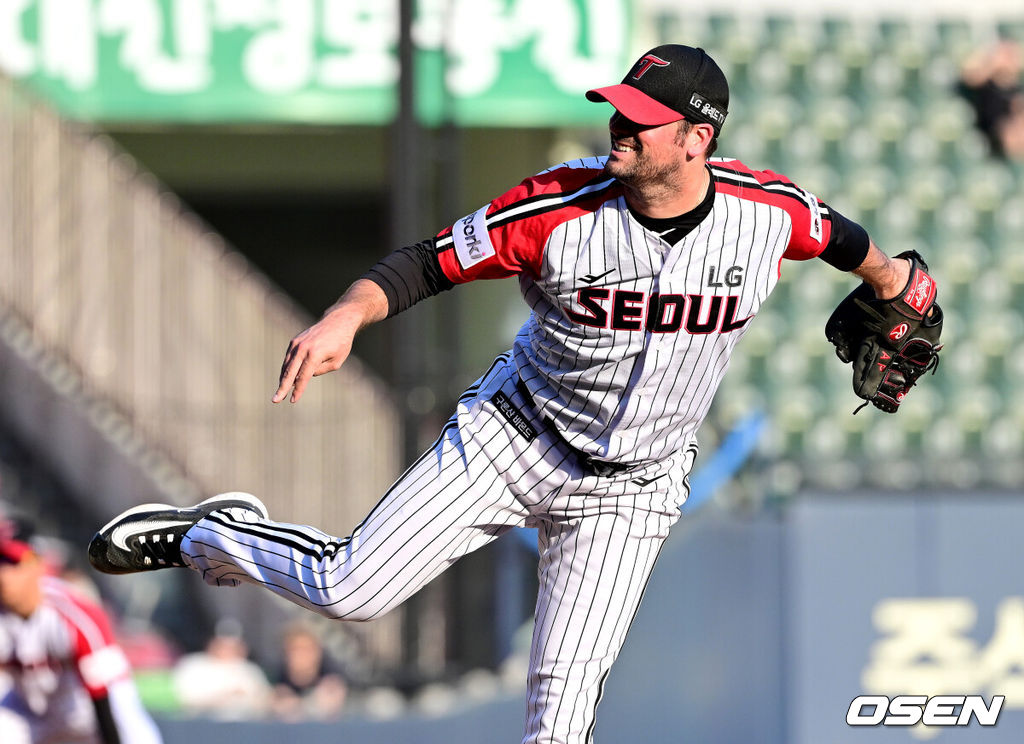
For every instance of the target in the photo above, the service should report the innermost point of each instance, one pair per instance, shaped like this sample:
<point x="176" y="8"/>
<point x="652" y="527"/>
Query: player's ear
<point x="698" y="139"/>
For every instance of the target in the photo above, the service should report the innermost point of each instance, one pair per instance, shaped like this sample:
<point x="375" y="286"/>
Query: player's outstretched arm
<point x="887" y="276"/>
<point x="324" y="346"/>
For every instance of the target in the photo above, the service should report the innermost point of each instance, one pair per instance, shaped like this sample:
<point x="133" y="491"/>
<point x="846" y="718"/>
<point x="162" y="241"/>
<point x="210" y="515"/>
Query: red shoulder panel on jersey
<point x="812" y="222"/>
<point x="507" y="236"/>
<point x="99" y="660"/>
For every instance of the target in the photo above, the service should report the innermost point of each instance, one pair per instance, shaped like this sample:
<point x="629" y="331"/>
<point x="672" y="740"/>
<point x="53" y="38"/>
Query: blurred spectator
<point x="67" y="679"/>
<point x="153" y="658"/>
<point x="308" y="684"/>
<point x="990" y="80"/>
<point x="220" y="681"/>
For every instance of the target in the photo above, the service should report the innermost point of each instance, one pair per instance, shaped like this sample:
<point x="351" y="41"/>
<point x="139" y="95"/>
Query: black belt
<point x="600" y="468"/>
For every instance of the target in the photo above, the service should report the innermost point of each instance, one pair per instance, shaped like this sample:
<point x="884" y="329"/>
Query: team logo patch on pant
<point x="514" y="416"/>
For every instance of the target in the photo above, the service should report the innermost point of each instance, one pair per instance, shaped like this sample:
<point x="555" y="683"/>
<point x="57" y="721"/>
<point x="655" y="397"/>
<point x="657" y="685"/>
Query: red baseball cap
<point x="669" y="83"/>
<point x="15" y="539"/>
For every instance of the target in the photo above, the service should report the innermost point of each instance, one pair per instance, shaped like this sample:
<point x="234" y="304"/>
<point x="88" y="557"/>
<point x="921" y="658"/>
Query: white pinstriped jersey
<point x="630" y="336"/>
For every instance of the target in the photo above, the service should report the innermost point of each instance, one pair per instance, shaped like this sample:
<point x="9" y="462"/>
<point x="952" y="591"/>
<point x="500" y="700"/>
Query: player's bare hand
<point x="319" y="349"/>
<point x="324" y="346"/>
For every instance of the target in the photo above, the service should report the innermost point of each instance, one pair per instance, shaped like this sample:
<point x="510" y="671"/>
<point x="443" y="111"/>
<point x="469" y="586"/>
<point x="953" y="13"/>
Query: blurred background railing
<point x="173" y="337"/>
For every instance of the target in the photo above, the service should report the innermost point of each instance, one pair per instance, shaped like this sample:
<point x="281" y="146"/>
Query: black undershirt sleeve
<point x="105" y="720"/>
<point x="847" y="246"/>
<point x="409" y="275"/>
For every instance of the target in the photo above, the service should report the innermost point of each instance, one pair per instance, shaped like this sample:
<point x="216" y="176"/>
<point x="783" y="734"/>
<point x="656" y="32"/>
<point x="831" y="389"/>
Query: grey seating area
<point x="864" y="113"/>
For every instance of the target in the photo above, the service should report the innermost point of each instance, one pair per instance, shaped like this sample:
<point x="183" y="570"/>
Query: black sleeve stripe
<point x="847" y="246"/>
<point x="780" y="188"/>
<point x="542" y="203"/>
<point x="495" y="221"/>
<point x="409" y="275"/>
<point x="776" y="186"/>
<point x="598" y="178"/>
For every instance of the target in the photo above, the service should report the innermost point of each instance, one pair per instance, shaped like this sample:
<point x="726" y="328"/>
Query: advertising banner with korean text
<point x="480" y="62"/>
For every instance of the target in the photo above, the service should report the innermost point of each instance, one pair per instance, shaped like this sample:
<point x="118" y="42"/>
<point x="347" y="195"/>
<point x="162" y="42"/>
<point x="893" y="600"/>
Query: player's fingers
<point x="281" y="392"/>
<point x="302" y="379"/>
<point x="289" y="355"/>
<point x="289" y="369"/>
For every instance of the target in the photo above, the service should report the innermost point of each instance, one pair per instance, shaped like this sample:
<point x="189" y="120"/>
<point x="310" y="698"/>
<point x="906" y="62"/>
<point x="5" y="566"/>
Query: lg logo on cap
<point x="711" y="111"/>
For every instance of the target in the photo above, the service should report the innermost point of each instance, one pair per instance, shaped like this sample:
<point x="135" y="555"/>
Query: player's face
<point x="642" y="155"/>
<point x="19" y="584"/>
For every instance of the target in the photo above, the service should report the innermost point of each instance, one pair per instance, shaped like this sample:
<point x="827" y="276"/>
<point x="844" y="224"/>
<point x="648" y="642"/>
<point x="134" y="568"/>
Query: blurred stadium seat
<point x="864" y="113"/>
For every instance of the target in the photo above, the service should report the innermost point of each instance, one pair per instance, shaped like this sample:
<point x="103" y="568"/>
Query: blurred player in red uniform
<point x="67" y="681"/>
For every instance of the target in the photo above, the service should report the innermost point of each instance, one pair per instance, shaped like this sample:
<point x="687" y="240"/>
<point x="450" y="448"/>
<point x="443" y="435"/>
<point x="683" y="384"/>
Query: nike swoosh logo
<point x="121" y="534"/>
<point x="591" y="278"/>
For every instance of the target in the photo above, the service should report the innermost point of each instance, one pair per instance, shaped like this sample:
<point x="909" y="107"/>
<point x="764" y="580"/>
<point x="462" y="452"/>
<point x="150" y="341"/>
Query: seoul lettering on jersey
<point x="586" y="264"/>
<point x="657" y="313"/>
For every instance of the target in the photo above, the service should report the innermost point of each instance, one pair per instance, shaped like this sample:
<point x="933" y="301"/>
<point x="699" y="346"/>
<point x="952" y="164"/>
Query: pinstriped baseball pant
<point x="599" y="538"/>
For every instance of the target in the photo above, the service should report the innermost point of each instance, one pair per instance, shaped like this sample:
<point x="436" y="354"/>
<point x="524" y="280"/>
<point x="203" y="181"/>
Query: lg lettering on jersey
<point x="733" y="276"/>
<point x="626" y="310"/>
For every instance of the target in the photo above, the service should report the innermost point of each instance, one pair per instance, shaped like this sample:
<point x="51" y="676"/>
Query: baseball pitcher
<point x="642" y="270"/>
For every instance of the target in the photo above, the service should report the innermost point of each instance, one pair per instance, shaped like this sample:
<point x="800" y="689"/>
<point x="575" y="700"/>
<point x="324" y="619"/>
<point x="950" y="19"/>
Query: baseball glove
<point x="891" y="343"/>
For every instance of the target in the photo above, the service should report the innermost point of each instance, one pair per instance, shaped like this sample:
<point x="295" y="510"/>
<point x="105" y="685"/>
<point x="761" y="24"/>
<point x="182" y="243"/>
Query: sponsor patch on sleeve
<point x="472" y="243"/>
<point x="812" y="204"/>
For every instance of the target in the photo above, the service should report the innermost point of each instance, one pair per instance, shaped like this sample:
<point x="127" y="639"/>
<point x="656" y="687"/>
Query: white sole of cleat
<point x="256" y="504"/>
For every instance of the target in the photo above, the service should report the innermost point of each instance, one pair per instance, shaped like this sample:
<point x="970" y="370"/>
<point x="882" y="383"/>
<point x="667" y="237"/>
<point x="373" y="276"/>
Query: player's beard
<point x="640" y="171"/>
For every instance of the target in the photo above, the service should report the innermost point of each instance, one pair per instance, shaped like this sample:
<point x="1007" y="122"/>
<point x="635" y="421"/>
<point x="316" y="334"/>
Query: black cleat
<point x="148" y="537"/>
